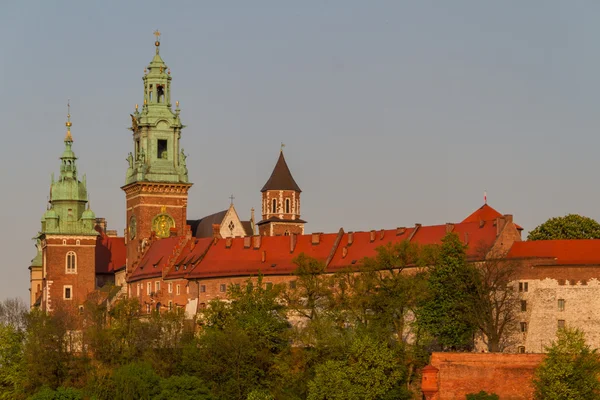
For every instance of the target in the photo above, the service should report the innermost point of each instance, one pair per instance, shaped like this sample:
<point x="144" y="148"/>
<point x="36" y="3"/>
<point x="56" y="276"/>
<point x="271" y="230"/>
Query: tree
<point x="571" y="226"/>
<point x="11" y="362"/>
<point x="183" y="388"/>
<point x="370" y="371"/>
<point x="447" y="313"/>
<point x="570" y="370"/>
<point x="483" y="395"/>
<point x="135" y="381"/>
<point x="13" y="312"/>
<point x="495" y="302"/>
<point x="62" y="393"/>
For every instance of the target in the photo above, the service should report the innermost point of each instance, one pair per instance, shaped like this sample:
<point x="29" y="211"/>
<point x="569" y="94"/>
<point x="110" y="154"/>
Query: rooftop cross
<point x="157" y="42"/>
<point x="231" y="199"/>
<point x="68" y="137"/>
<point x="282" y="146"/>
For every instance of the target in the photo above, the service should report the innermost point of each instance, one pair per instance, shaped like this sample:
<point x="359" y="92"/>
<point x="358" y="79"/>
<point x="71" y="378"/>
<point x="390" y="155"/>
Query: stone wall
<point x="508" y="375"/>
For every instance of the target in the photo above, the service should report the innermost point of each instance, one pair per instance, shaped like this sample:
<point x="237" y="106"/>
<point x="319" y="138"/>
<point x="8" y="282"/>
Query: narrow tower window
<point x="71" y="263"/>
<point x="150" y="93"/>
<point x="160" y="94"/>
<point x="161" y="146"/>
<point x="287" y="206"/>
<point x="274" y="206"/>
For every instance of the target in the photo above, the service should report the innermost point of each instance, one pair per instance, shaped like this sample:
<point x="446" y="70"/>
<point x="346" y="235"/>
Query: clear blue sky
<point x="392" y="112"/>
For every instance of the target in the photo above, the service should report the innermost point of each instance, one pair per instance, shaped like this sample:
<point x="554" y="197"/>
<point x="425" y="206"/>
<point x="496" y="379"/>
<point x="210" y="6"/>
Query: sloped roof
<point x="236" y="260"/>
<point x="247" y="225"/>
<point x="281" y="177"/>
<point x="192" y="252"/>
<point x="565" y="252"/>
<point x="485" y="213"/>
<point x="111" y="253"/>
<point x="478" y="237"/>
<point x="202" y="228"/>
<point x="155" y="259"/>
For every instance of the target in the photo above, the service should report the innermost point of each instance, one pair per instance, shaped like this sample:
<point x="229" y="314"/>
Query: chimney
<point x="188" y="232"/>
<point x="400" y="231"/>
<point x="293" y="240"/>
<point x="111" y="233"/>
<point x="256" y="242"/>
<point x="344" y="252"/>
<point x="316" y="238"/>
<point x="216" y="228"/>
<point x="228" y="242"/>
<point x="500" y="224"/>
<point x="449" y="227"/>
<point x="247" y="240"/>
<point x="252" y="215"/>
<point x="508" y="218"/>
<point x="372" y="236"/>
<point x="101" y="222"/>
<point x="264" y="256"/>
<point x="350" y="238"/>
<point x="381" y="234"/>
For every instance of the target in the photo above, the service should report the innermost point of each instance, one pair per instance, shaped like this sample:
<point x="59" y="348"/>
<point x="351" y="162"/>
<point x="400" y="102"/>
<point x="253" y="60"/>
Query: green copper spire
<point x="156" y="129"/>
<point x="68" y="196"/>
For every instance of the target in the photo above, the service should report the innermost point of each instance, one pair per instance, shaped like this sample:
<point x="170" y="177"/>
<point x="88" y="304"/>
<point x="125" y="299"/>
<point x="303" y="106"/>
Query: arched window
<point x="274" y="206"/>
<point x="71" y="263"/>
<point x="287" y="206"/>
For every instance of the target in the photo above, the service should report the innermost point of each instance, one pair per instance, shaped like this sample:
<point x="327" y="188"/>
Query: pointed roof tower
<point x="281" y="177"/>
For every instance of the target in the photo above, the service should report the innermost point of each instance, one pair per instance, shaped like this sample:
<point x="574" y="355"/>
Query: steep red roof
<point x="191" y="253"/>
<point x="236" y="260"/>
<point x="565" y="252"/>
<point x="281" y="177"/>
<point x="485" y="213"/>
<point x="111" y="253"/>
<point x="156" y="258"/>
<point x="477" y="236"/>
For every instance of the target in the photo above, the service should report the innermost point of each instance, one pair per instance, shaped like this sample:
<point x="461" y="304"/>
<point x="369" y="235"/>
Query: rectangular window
<point x="138" y="289"/>
<point x="223" y="288"/>
<point x="157" y="286"/>
<point x="523" y="305"/>
<point x="149" y="288"/>
<point x="178" y="288"/>
<point x="161" y="149"/>
<point x="523" y="326"/>
<point x="68" y="295"/>
<point x="523" y="286"/>
<point x="561" y="324"/>
<point x="561" y="304"/>
<point x="292" y="284"/>
<point x="202" y="288"/>
<point x="522" y="349"/>
<point x="170" y="287"/>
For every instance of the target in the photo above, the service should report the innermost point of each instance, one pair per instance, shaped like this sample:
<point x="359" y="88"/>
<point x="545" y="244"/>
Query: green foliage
<point x="260" y="395"/>
<point x="571" y="226"/>
<point x="183" y="388"/>
<point x="135" y="381"/>
<point x="369" y="372"/>
<point x="483" y="395"/>
<point x="447" y="313"/>
<point x="11" y="362"/>
<point x="62" y="393"/>
<point x="570" y="370"/>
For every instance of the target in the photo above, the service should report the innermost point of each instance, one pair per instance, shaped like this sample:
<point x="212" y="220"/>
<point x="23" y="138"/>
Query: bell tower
<point x="281" y="203"/>
<point x="156" y="183"/>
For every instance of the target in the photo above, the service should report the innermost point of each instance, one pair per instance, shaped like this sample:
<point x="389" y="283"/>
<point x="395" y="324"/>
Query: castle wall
<point x="508" y="375"/>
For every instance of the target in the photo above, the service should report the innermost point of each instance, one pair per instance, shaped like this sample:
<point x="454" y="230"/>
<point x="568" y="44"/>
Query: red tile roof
<point x="192" y="252"/>
<point x="236" y="260"/>
<point x="111" y="253"/>
<point x="475" y="235"/>
<point x="565" y="252"/>
<point x="485" y="213"/>
<point x="156" y="258"/>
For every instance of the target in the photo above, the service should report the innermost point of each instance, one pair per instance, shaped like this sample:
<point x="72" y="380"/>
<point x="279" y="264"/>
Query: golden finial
<point x="169" y="71"/>
<point x="161" y="69"/>
<point x="136" y="107"/>
<point x="177" y="103"/>
<point x="145" y="71"/>
<point x="157" y="43"/>
<point x="145" y="101"/>
<point x="68" y="124"/>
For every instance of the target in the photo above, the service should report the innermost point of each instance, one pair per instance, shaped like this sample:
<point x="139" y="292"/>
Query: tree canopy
<point x="571" y="226"/>
<point x="570" y="371"/>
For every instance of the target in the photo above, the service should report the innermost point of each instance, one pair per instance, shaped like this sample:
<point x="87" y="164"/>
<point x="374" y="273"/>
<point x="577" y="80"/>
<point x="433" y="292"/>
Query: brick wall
<point x="507" y="375"/>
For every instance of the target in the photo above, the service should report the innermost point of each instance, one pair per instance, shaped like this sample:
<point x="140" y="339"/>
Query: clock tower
<point x="156" y="183"/>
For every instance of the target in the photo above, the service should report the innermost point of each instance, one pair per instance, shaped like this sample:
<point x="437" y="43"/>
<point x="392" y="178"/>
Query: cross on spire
<point x="157" y="42"/>
<point x="282" y="146"/>
<point x="231" y="198"/>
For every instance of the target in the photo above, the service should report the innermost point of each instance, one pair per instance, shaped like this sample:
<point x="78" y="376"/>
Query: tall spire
<point x="68" y="137"/>
<point x="281" y="178"/>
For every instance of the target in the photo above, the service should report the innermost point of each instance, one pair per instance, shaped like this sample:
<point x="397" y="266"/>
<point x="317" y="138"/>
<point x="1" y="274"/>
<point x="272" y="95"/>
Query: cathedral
<point x="168" y="261"/>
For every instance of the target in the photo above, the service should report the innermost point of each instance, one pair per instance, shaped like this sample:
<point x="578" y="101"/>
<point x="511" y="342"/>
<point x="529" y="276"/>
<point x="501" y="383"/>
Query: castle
<point x="166" y="260"/>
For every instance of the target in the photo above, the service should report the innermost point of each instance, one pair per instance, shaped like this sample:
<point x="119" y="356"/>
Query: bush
<point x="183" y="388"/>
<point x="61" y="393"/>
<point x="135" y="381"/>
<point x="483" y="395"/>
